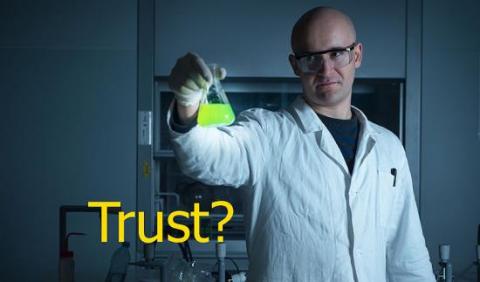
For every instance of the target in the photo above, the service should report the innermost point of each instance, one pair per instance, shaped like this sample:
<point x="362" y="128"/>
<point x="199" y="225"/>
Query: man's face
<point x="332" y="84"/>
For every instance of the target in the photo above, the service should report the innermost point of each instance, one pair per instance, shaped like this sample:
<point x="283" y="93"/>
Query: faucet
<point x="66" y="262"/>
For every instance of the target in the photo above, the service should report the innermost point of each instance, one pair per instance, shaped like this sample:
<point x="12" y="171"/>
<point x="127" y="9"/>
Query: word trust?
<point x="182" y="231"/>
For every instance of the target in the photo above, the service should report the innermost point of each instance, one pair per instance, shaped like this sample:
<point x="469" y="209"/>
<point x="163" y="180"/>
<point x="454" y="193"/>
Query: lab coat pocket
<point x="386" y="195"/>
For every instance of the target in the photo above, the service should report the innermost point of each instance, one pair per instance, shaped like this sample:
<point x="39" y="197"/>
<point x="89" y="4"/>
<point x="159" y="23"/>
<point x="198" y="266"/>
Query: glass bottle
<point x="215" y="109"/>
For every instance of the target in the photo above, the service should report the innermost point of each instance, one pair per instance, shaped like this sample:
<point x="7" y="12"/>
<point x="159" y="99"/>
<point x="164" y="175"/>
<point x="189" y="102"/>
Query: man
<point x="330" y="193"/>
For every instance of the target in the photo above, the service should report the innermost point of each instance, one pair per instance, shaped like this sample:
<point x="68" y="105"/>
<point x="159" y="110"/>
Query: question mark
<point x="227" y="218"/>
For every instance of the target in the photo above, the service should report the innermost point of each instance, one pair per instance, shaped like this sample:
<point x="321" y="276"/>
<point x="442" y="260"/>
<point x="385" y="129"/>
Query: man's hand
<point x="189" y="78"/>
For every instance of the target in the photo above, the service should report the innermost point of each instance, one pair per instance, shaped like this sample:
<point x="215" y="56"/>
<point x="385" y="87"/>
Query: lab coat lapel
<point x="309" y="122"/>
<point x="366" y="140"/>
<point x="366" y="144"/>
<point x="330" y="148"/>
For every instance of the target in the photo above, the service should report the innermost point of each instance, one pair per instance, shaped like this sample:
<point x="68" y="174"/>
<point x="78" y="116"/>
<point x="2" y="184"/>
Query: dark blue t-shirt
<point x="345" y="133"/>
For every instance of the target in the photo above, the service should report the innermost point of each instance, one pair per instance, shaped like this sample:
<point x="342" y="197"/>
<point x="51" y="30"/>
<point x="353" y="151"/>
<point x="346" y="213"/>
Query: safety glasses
<point x="337" y="57"/>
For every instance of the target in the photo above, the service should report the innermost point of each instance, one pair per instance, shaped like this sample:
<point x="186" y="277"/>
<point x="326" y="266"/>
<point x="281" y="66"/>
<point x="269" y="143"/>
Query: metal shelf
<point x="162" y="154"/>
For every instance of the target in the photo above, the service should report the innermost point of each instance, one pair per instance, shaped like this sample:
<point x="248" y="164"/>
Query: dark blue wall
<point x="67" y="115"/>
<point x="450" y="166"/>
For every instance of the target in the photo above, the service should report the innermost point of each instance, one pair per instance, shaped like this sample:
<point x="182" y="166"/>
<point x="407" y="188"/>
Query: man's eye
<point x="336" y="54"/>
<point x="310" y="59"/>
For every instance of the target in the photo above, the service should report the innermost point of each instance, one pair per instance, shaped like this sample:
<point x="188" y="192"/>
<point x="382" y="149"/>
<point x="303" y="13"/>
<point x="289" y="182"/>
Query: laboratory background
<point x="84" y="96"/>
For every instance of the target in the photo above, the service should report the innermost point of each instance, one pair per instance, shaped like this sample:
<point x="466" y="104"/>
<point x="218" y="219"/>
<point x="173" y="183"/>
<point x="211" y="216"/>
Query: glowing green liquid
<point x="215" y="115"/>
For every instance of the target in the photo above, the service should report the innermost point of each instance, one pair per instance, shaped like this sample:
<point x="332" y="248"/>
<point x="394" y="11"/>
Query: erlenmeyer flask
<point x="215" y="109"/>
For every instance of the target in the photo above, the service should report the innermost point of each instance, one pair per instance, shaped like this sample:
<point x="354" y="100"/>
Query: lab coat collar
<point x="309" y="122"/>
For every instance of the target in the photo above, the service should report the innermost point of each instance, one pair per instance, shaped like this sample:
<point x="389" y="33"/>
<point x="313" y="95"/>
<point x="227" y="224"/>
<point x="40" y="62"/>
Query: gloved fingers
<point x="176" y="82"/>
<point x="196" y="79"/>
<point x="192" y="83"/>
<point x="201" y="83"/>
<point x="177" y="76"/>
<point x="199" y="66"/>
<point x="187" y="96"/>
<point x="187" y="91"/>
<point x="190" y="77"/>
<point x="183" y="86"/>
<point x="182" y="74"/>
<point x="220" y="73"/>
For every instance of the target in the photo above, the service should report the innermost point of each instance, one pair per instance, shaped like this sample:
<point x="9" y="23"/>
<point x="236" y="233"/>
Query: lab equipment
<point x="67" y="263"/>
<point x="477" y="263"/>
<point x="478" y="254"/>
<point x="179" y="270"/>
<point x="221" y="252"/>
<point x="149" y="251"/>
<point x="446" y="269"/>
<point x="239" y="277"/>
<point x="66" y="266"/>
<point x="119" y="264"/>
<point x="215" y="109"/>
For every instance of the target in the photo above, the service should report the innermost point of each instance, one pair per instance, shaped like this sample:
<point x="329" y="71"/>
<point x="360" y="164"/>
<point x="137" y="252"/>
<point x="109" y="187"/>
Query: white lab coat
<point x="307" y="218"/>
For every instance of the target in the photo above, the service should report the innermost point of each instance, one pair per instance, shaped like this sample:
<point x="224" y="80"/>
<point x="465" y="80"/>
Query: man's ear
<point x="358" y="55"/>
<point x="293" y="63"/>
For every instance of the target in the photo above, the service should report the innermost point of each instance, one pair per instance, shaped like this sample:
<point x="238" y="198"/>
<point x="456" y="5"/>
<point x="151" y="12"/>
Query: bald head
<point x="322" y="26"/>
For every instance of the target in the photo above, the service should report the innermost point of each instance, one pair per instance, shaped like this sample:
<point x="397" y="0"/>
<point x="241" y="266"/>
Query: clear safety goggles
<point x="310" y="63"/>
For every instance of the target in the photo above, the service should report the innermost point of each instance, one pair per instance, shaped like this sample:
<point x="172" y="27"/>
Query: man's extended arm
<point x="232" y="156"/>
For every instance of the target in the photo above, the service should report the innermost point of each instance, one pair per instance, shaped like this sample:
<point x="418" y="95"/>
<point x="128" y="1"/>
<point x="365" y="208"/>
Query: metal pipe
<point x="478" y="254"/>
<point x="446" y="269"/>
<point x="64" y="210"/>
<point x="221" y="250"/>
